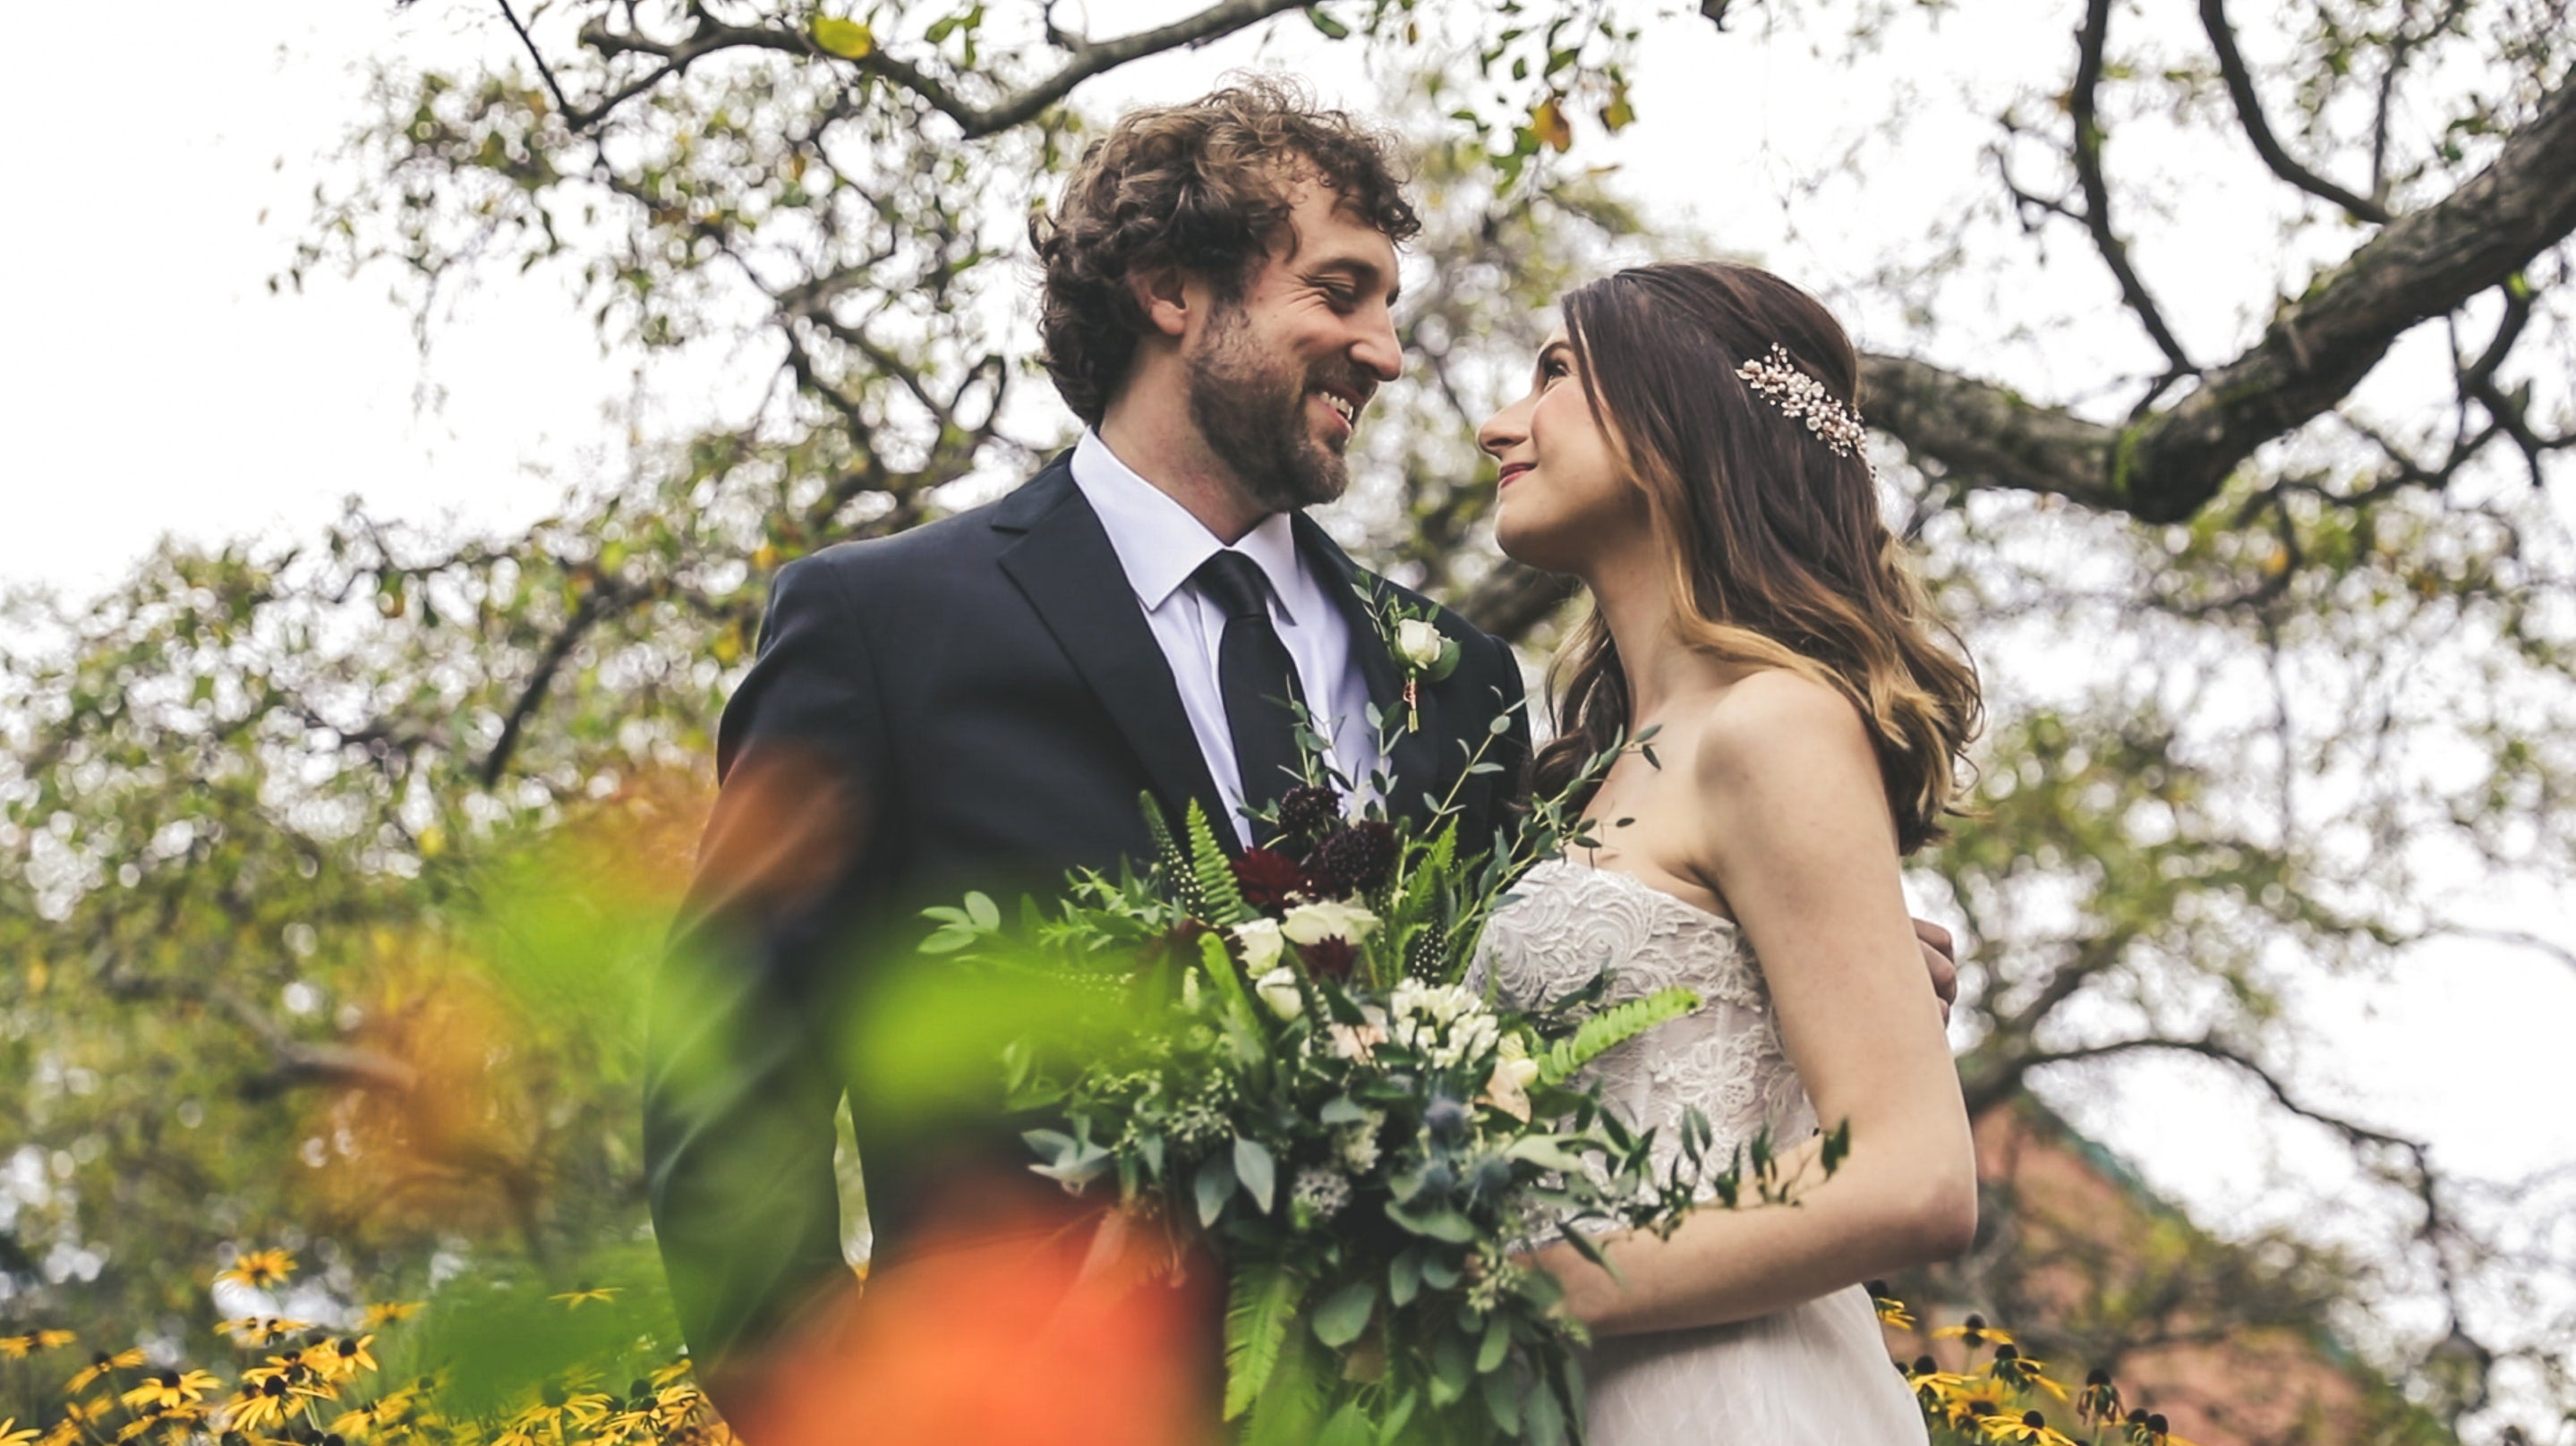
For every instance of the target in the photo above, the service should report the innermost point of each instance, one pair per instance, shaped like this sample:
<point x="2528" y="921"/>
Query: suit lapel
<point x="1414" y="756"/>
<point x="1064" y="565"/>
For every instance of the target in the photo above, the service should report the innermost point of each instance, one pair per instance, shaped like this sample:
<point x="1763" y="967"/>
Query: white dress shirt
<point x="1159" y="545"/>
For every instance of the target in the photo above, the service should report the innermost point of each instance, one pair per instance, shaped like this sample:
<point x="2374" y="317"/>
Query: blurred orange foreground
<point x="1039" y="1329"/>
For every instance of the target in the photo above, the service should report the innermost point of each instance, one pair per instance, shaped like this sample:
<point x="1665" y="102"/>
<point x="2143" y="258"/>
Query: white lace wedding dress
<point x="1816" y="1374"/>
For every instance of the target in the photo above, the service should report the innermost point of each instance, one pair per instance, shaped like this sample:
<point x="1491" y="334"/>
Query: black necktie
<point x="1253" y="672"/>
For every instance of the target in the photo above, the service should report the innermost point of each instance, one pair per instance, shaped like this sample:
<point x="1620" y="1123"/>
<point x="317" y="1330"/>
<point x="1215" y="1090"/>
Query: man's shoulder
<point x="942" y="550"/>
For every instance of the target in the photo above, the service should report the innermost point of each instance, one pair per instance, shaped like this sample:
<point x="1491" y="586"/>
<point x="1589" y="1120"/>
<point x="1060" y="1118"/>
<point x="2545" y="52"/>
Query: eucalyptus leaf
<point x="1255" y="1170"/>
<point x="1214" y="1186"/>
<point x="1341" y="1316"/>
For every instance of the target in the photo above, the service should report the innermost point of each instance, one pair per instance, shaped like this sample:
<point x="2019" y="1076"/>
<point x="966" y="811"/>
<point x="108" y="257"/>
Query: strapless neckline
<point x="1634" y="884"/>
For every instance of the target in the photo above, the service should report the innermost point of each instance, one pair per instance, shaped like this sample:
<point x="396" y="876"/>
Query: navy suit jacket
<point x="976" y="703"/>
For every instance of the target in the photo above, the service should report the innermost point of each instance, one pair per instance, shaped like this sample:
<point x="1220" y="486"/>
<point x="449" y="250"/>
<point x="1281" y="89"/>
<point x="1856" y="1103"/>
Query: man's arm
<point x="740" y="1087"/>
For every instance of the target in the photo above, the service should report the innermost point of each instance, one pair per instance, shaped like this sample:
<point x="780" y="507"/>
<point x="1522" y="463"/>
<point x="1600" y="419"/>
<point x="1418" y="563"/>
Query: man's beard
<point x="1253" y="416"/>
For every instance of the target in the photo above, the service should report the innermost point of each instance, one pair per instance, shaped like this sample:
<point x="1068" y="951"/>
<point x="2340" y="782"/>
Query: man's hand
<point x="1941" y="958"/>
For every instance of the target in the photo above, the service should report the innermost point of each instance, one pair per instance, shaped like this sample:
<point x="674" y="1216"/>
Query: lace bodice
<point x="1814" y="1374"/>
<point x="1569" y="921"/>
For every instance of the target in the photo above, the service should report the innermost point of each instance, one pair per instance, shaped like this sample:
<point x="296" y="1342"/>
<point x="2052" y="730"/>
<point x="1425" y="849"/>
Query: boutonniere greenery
<point x="1412" y="637"/>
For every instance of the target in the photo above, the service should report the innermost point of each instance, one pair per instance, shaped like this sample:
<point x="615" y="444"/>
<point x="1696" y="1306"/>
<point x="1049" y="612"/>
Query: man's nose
<point x="1378" y="350"/>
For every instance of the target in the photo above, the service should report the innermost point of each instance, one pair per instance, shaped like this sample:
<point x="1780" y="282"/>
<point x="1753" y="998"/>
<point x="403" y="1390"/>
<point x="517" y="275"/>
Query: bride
<point x="1689" y="449"/>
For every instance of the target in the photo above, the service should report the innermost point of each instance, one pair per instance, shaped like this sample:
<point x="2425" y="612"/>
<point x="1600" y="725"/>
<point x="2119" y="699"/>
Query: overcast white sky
<point x="154" y="385"/>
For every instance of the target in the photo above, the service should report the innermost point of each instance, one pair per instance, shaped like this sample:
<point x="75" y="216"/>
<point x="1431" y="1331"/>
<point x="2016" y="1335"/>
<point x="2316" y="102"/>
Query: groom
<point x="978" y="702"/>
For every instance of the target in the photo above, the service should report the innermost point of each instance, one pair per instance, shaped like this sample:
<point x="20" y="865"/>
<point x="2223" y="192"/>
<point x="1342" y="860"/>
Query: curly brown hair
<point x="1205" y="186"/>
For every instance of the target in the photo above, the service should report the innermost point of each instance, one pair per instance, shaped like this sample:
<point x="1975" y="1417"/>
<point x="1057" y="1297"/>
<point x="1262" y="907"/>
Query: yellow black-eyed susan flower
<point x="259" y="1269"/>
<point x="531" y="1427"/>
<point x="359" y="1423"/>
<point x="341" y="1357"/>
<point x="77" y="1419"/>
<point x="385" y="1312"/>
<point x="2100" y="1398"/>
<point x="2022" y="1373"/>
<point x="258" y="1405"/>
<point x="588" y="1408"/>
<point x="1891" y="1311"/>
<point x="19" y="1347"/>
<point x="2147" y="1428"/>
<point x="1974" y="1332"/>
<point x="1935" y="1387"/>
<point x="100" y="1367"/>
<point x="262" y="1330"/>
<point x="388" y="1410"/>
<point x="12" y="1435"/>
<point x="574" y="1299"/>
<point x="665" y="1375"/>
<point x="2029" y="1426"/>
<point x="165" y="1389"/>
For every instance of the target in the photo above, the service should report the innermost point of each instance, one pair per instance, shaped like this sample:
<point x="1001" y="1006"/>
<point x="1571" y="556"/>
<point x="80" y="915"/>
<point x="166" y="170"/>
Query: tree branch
<point x="2249" y="111"/>
<point x="2422" y="265"/>
<point x="2005" y="1080"/>
<point x="1513" y="599"/>
<point x="544" y="71"/>
<point x="2163" y="466"/>
<point x="540" y="679"/>
<point x="2097" y="192"/>
<point x="291" y="1060"/>
<point x="1988" y="434"/>
<point x="1087" y="59"/>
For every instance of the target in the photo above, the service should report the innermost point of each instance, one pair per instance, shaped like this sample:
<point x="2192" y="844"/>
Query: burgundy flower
<point x="1308" y="809"/>
<point x="1352" y="860"/>
<point x="1329" y="958"/>
<point x="1267" y="877"/>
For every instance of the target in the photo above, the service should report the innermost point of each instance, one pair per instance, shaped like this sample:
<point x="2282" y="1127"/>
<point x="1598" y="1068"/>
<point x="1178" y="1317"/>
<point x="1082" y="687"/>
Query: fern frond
<point x="1174" y="861"/>
<point x="1613" y="1027"/>
<point x="1290" y="1410"/>
<point x="1261" y="1304"/>
<point x="1223" y="901"/>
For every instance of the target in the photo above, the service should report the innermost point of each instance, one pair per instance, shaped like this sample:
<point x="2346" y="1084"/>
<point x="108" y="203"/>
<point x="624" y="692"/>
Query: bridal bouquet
<point x="1303" y="1082"/>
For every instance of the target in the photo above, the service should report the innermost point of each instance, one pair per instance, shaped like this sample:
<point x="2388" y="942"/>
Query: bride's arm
<point x="1794" y="832"/>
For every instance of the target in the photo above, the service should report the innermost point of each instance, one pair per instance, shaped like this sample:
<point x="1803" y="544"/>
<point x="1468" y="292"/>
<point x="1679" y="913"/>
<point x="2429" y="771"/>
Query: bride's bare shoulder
<point x="1773" y="725"/>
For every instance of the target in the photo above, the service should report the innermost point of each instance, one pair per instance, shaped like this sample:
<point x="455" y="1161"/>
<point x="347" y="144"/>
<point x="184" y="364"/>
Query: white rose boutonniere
<point x="1420" y="650"/>
<point x="1419" y="643"/>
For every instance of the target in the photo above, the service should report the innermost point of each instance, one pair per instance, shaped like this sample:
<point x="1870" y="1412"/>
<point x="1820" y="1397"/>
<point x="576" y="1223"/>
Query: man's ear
<point x="1162" y="294"/>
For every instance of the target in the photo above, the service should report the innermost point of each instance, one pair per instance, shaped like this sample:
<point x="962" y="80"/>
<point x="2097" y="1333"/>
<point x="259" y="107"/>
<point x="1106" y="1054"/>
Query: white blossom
<point x="1261" y="944"/>
<point x="1514" y="1071"/>
<point x="1419" y="643"/>
<point x="1329" y="919"/>
<point x="1322" y="1190"/>
<point x="1278" y="989"/>
<point x="1446" y="1023"/>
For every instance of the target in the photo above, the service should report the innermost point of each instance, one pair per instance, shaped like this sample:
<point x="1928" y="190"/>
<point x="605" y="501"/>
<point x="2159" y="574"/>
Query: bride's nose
<point x="1501" y="432"/>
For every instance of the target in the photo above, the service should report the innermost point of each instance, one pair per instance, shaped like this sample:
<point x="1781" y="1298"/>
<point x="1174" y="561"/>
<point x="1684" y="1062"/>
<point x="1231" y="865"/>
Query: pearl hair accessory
<point x="1776" y="379"/>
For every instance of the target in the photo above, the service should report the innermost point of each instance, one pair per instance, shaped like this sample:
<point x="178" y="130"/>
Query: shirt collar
<point x="1159" y="544"/>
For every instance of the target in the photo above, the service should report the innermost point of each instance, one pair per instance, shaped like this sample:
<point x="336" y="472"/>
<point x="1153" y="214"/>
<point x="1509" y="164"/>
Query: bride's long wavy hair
<point x="1780" y="558"/>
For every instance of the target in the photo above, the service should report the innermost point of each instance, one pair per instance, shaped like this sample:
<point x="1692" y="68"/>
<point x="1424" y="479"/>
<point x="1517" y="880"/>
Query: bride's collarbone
<point x="1635" y="857"/>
